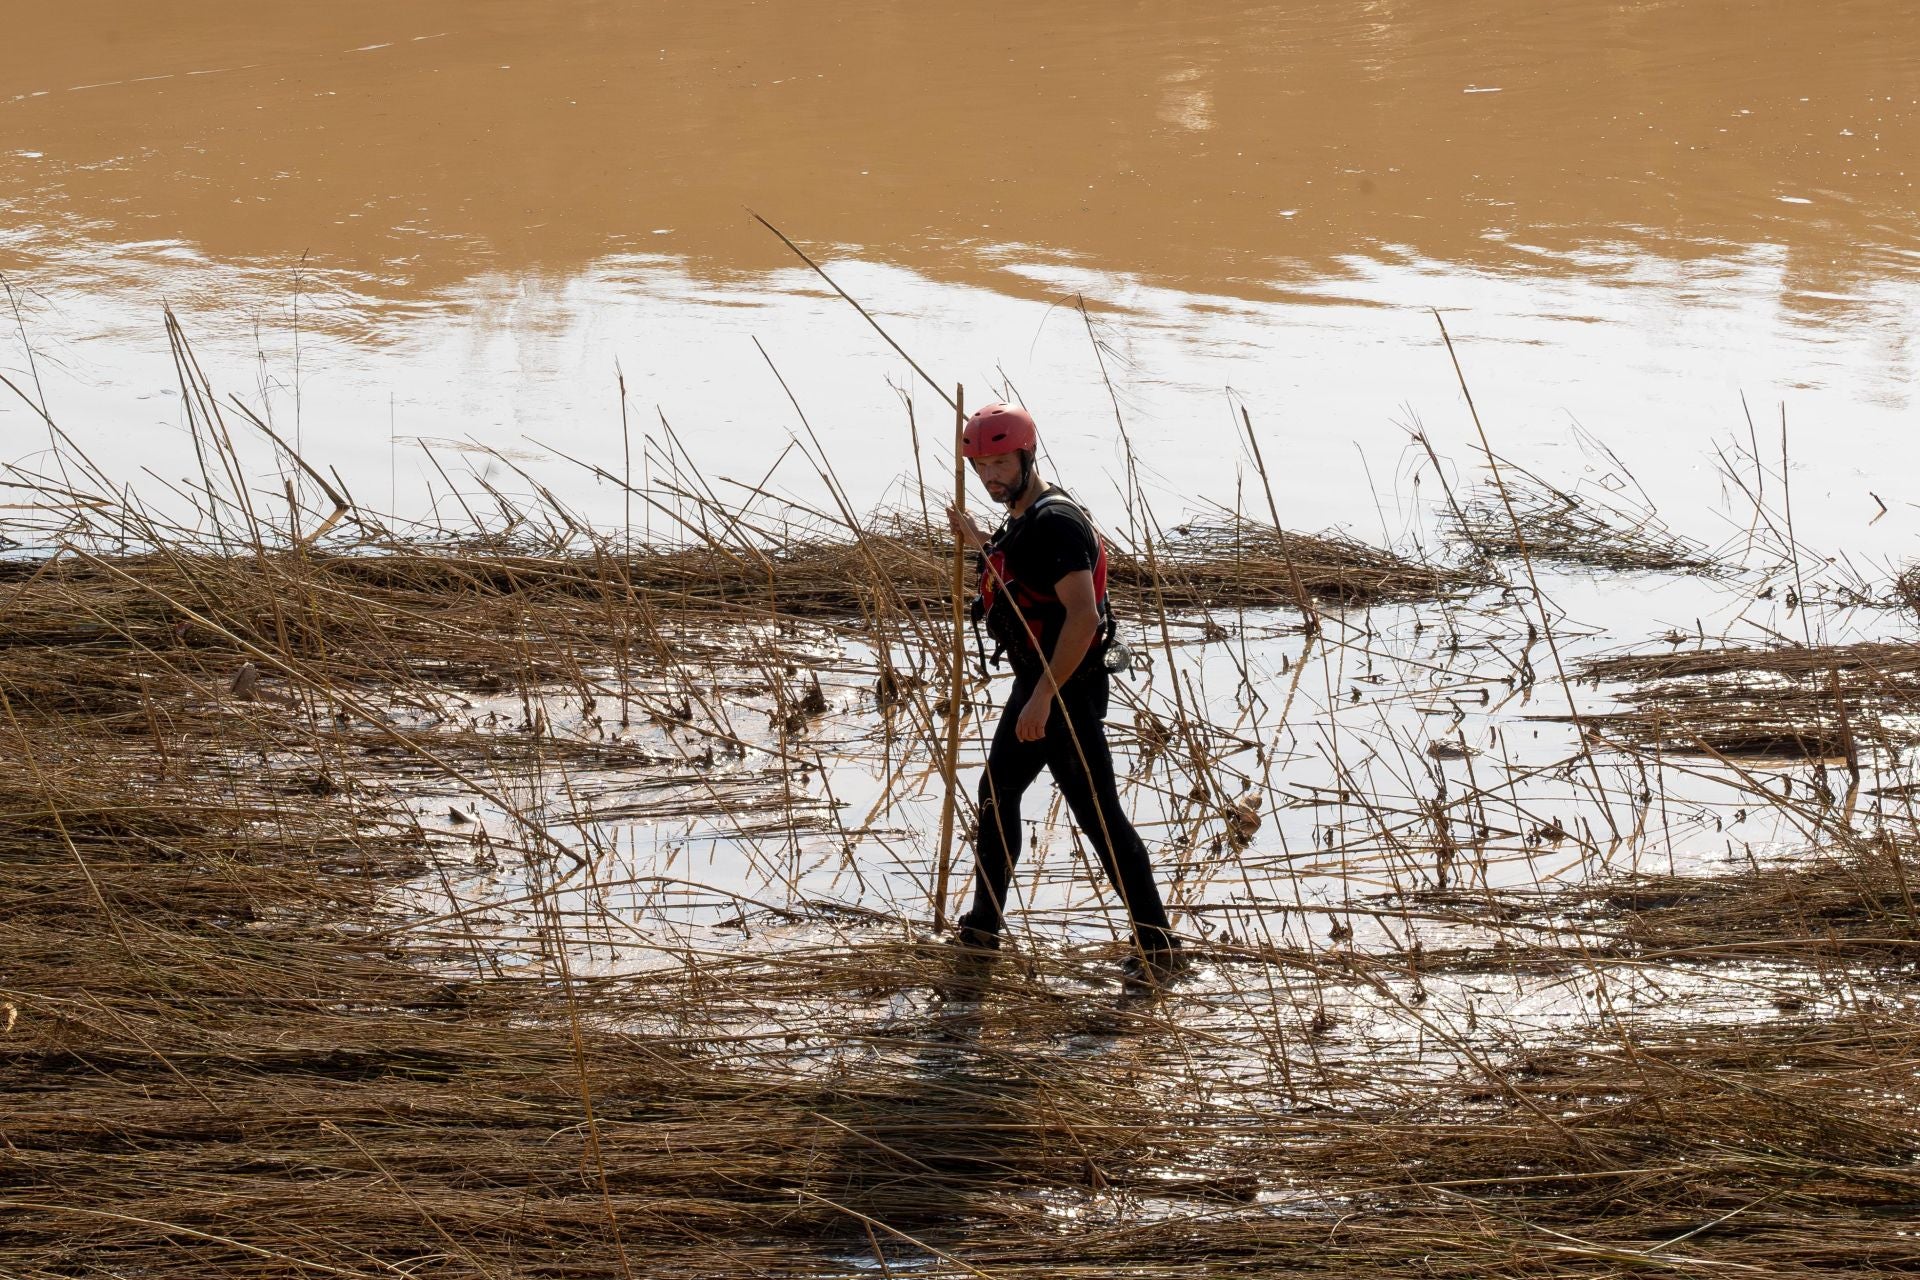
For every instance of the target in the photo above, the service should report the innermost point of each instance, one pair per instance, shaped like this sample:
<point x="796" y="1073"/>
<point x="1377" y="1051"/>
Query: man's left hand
<point x="1032" y="725"/>
<point x="966" y="528"/>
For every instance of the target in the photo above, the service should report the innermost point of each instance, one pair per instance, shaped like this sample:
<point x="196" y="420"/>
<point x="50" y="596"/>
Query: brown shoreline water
<point x="1222" y="152"/>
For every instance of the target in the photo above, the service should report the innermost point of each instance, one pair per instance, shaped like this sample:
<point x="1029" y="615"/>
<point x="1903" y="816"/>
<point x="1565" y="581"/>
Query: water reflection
<point x="451" y="219"/>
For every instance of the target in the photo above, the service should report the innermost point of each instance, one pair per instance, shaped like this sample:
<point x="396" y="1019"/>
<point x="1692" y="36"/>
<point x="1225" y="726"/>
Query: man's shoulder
<point x="1056" y="508"/>
<point x="1059" y="528"/>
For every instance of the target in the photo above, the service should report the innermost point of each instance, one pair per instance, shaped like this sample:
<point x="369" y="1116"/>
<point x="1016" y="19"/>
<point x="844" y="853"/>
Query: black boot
<point x="978" y="931"/>
<point x="1155" y="966"/>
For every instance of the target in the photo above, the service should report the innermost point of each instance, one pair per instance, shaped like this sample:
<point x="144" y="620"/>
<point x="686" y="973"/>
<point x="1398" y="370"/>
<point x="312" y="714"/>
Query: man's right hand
<point x="965" y="528"/>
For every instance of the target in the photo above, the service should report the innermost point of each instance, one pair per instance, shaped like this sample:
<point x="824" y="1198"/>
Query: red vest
<point x="1030" y="598"/>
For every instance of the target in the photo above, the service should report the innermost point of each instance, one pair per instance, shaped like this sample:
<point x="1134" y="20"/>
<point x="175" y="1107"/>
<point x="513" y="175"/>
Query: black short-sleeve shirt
<point x="1042" y="546"/>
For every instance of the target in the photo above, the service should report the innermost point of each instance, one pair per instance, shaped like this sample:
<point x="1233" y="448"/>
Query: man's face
<point x="1000" y="474"/>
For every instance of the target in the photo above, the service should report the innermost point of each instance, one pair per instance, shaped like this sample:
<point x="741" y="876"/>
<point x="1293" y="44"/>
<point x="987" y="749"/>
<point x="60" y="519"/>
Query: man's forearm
<point x="1070" y="650"/>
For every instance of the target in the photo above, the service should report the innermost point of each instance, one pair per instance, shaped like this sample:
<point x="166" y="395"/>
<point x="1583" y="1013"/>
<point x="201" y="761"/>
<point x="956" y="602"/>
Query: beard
<point x="1007" y="492"/>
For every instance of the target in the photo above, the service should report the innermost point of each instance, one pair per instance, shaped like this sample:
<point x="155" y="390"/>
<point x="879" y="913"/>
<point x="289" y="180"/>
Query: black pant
<point x="1075" y="752"/>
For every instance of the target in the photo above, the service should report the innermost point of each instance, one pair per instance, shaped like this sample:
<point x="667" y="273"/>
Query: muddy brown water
<point x="451" y="221"/>
<point x="1216" y="150"/>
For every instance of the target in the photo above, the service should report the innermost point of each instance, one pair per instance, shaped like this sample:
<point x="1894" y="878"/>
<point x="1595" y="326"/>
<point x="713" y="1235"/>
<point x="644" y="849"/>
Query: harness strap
<point x="1026" y="597"/>
<point x="1052" y="497"/>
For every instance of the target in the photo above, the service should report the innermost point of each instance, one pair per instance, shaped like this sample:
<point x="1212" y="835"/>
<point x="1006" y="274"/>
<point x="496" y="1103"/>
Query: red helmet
<point x="998" y="428"/>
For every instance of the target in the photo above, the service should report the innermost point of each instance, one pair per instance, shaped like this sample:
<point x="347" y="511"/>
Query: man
<point x="1043" y="589"/>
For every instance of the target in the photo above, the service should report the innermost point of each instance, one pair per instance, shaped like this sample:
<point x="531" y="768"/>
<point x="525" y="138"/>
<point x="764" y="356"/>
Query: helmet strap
<point x="1026" y="477"/>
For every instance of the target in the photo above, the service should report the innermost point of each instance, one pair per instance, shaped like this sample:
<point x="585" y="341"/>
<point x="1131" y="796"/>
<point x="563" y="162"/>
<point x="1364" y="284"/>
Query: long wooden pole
<point x="957" y="669"/>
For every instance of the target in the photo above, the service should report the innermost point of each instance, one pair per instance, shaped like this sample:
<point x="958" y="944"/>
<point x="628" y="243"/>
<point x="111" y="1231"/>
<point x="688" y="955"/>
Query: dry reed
<point x="256" y="1019"/>
<point x="229" y="1050"/>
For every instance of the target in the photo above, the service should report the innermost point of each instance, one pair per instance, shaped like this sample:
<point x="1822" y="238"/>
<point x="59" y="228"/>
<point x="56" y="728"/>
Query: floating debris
<point x="1833" y="702"/>
<point x="1526" y="515"/>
